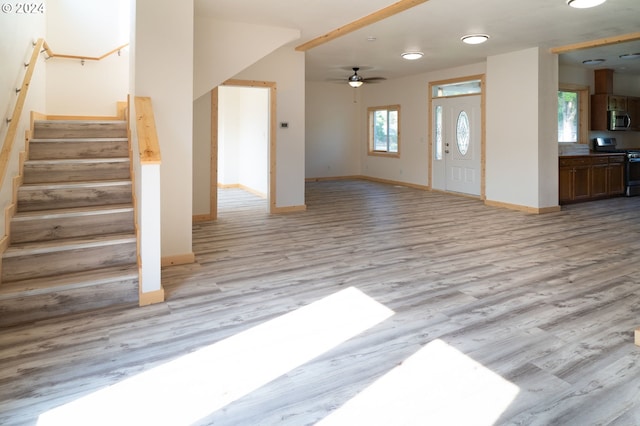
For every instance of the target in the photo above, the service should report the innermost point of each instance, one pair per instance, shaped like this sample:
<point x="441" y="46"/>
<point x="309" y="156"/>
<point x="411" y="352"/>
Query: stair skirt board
<point x="51" y="149"/>
<point x="47" y="196"/>
<point x="71" y="223"/>
<point x="75" y="170"/>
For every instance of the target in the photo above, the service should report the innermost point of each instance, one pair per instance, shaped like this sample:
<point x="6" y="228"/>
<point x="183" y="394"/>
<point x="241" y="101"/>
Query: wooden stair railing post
<point x="149" y="231"/>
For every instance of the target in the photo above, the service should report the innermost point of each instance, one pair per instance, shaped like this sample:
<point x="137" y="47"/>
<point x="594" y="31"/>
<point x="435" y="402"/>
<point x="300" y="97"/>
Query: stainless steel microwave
<point x="618" y="120"/>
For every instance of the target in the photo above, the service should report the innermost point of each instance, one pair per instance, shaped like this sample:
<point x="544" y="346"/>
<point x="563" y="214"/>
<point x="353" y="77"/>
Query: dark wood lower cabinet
<point x="591" y="177"/>
<point x="616" y="175"/>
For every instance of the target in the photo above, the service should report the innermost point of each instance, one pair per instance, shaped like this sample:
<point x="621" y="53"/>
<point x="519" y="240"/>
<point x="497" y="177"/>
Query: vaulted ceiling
<point x="435" y="27"/>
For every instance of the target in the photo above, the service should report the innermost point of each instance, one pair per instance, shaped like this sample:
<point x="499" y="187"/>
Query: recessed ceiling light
<point x="584" y="4"/>
<point x="630" y="56"/>
<point x="475" y="38"/>
<point x="593" y="61"/>
<point x="412" y="56"/>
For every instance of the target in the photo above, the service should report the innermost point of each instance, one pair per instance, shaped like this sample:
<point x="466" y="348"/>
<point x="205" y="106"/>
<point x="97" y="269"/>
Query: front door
<point x="457" y="144"/>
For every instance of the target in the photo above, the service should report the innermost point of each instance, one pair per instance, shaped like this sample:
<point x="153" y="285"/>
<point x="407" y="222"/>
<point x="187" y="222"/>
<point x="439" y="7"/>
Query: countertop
<point x="592" y="154"/>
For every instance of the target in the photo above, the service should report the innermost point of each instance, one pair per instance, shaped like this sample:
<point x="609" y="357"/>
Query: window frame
<point x="370" y="131"/>
<point x="583" y="93"/>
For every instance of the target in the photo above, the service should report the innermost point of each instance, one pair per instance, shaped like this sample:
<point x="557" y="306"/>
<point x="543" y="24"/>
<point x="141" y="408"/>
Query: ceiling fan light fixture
<point x="630" y="56"/>
<point x="584" y="4"/>
<point x="355" y="80"/>
<point x="412" y="56"/>
<point x="474" y="38"/>
<point x="593" y="61"/>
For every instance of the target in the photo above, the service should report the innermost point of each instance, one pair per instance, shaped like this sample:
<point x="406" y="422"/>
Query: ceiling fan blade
<point x="373" y="79"/>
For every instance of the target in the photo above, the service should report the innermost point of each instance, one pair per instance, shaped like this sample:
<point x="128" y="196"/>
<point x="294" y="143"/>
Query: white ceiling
<point x="435" y="28"/>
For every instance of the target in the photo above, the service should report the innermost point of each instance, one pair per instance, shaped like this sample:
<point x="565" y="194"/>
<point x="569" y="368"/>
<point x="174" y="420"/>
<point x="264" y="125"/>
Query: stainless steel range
<point x="631" y="164"/>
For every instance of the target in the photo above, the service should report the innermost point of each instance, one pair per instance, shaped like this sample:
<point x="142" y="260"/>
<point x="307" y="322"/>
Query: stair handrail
<point x="14" y="121"/>
<point x="40" y="46"/>
<point x="50" y="54"/>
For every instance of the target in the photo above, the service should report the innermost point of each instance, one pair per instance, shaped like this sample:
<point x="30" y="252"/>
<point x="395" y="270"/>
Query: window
<point x="439" y="143"/>
<point x="572" y="114"/>
<point x="384" y="130"/>
<point x="567" y="116"/>
<point x="459" y="88"/>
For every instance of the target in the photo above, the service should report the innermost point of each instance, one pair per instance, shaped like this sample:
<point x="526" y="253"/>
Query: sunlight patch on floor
<point x="195" y="385"/>
<point x="438" y="385"/>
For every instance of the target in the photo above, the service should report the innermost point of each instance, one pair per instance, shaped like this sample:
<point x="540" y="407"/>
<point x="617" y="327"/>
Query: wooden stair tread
<point x="79" y="121"/>
<point x="78" y="140"/>
<point x="36" y="286"/>
<point x="83" y="184"/>
<point x="70" y="212"/>
<point x="65" y="161"/>
<point x="33" y="248"/>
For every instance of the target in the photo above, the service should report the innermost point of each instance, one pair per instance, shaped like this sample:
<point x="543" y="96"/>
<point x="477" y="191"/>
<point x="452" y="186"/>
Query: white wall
<point x="201" y="154"/>
<point x="625" y="84"/>
<point x="162" y="69"/>
<point x="547" y="129"/>
<point x="17" y="32"/>
<point x="522" y="128"/>
<point x="223" y="49"/>
<point x="337" y="130"/>
<point x="332" y="132"/>
<point x="244" y="137"/>
<point x="575" y="75"/>
<point x="285" y="67"/>
<point x="88" y="28"/>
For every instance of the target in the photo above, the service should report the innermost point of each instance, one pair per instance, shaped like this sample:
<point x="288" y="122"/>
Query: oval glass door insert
<point x="462" y="133"/>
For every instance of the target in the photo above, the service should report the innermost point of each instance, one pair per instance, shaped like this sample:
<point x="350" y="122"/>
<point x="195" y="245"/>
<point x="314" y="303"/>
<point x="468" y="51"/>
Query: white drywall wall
<point x="90" y="28"/>
<point x="17" y="34"/>
<point x="162" y="69"/>
<point x="224" y="48"/>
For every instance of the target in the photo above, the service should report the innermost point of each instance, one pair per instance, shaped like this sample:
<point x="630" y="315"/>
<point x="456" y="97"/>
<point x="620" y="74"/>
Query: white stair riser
<point x="44" y="228"/>
<point x="60" y="198"/>
<point x="60" y="262"/>
<point x="75" y="172"/>
<point x="75" y="129"/>
<point x="52" y="150"/>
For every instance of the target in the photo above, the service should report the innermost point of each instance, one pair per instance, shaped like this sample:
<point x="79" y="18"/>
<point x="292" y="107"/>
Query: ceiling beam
<point x="596" y="43"/>
<point x="381" y="14"/>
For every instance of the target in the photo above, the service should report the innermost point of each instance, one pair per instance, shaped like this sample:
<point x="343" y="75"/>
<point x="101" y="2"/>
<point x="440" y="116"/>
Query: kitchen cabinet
<point x="601" y="104"/>
<point x="615" y="175"/>
<point x="616" y="103"/>
<point x="599" y="172"/>
<point x="590" y="177"/>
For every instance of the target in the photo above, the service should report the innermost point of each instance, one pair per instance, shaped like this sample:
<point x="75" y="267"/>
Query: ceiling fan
<point x="356" y="80"/>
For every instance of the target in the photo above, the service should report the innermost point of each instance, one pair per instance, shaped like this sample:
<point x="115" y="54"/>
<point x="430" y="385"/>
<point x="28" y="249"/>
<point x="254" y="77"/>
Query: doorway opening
<point x="457" y="137"/>
<point x="243" y="140"/>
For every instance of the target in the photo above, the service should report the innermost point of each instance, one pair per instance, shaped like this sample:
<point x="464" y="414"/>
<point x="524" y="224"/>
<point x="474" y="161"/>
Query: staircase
<point x="72" y="240"/>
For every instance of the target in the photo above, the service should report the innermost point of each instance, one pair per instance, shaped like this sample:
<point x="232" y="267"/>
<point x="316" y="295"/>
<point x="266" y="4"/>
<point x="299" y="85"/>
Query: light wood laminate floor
<point x="378" y="305"/>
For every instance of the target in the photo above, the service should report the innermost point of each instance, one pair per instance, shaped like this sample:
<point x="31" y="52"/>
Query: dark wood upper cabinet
<point x="604" y="100"/>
